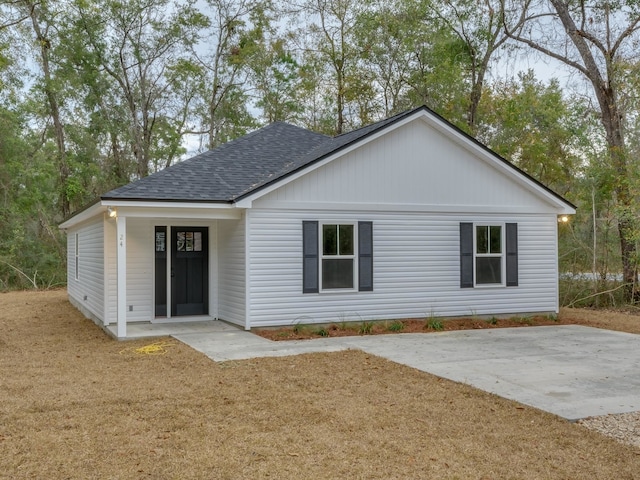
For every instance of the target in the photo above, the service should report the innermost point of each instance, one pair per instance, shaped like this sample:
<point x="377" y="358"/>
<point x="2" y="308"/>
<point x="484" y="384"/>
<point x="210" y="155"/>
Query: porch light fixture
<point x="563" y="219"/>
<point x="112" y="212"/>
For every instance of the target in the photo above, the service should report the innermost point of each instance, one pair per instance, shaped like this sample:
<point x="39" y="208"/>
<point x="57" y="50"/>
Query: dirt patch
<point x="613" y="320"/>
<point x="77" y="404"/>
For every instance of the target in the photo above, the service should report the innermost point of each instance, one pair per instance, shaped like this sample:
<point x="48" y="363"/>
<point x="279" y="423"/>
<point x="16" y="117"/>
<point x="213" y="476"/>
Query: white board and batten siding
<point x="411" y="168"/>
<point x="416" y="186"/>
<point x="87" y="290"/>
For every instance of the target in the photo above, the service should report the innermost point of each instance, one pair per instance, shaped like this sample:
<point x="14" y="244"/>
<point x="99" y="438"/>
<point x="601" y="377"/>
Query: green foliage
<point x="322" y="332"/>
<point x="365" y="328"/>
<point x="396" y="326"/>
<point x="531" y="124"/>
<point x="434" y="324"/>
<point x="138" y="84"/>
<point x="300" y="328"/>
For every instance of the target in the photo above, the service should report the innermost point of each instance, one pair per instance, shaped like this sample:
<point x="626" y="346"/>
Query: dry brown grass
<point x="76" y="404"/>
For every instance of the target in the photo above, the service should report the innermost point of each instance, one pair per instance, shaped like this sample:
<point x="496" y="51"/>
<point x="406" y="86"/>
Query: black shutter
<point x="512" y="254"/>
<point x="466" y="255"/>
<point x="365" y="256"/>
<point x="309" y="257"/>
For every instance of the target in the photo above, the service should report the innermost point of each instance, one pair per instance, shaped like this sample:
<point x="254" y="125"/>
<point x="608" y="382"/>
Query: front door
<point x="189" y="271"/>
<point x="189" y="280"/>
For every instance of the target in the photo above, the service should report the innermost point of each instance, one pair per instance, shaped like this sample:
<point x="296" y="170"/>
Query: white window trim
<point x="77" y="256"/>
<point x="502" y="255"/>
<point x="353" y="257"/>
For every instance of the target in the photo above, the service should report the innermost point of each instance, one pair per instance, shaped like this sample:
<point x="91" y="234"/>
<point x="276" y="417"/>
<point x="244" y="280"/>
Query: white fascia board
<point x="88" y="214"/>
<point x="562" y="208"/>
<point x="178" y="204"/>
<point x="150" y="209"/>
<point x="182" y="210"/>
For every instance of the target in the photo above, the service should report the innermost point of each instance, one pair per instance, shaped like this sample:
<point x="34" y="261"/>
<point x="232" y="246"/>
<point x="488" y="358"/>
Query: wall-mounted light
<point x="563" y="219"/>
<point x="112" y="212"/>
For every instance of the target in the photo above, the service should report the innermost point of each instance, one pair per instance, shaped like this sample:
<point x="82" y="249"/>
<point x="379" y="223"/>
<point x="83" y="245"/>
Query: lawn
<point x="76" y="404"/>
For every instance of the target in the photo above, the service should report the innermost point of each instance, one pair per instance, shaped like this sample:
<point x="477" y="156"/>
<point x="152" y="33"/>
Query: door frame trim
<point x="210" y="225"/>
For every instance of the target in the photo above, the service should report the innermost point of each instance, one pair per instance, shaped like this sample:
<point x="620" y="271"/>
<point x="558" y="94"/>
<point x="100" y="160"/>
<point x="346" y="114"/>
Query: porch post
<point x="121" y="239"/>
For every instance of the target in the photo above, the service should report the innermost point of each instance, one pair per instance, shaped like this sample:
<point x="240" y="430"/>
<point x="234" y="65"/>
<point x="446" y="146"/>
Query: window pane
<point x="337" y="273"/>
<point x="488" y="270"/>
<point x="496" y="239"/>
<point x="482" y="239"/>
<point x="346" y="240"/>
<point x="330" y="239"/>
<point x="181" y="242"/>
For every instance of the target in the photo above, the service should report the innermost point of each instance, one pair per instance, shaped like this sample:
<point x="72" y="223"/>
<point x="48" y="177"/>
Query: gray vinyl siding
<point x="416" y="258"/>
<point x="88" y="288"/>
<point x="231" y="271"/>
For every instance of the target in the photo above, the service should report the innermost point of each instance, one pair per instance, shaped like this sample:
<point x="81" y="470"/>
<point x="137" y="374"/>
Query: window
<point x="338" y="256"/>
<point x="489" y="254"/>
<point x="77" y="257"/>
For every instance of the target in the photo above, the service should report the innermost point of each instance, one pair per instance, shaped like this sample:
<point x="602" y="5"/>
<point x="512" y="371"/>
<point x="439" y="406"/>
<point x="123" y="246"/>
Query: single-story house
<point x="408" y="217"/>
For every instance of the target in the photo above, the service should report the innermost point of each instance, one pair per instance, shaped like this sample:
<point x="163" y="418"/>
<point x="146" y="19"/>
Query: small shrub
<point x="322" y="332"/>
<point x="396" y="326"/>
<point x="366" y="328"/>
<point x="525" y="320"/>
<point x="434" y="324"/>
<point x="553" y="317"/>
<point x="299" y="328"/>
<point x="493" y="321"/>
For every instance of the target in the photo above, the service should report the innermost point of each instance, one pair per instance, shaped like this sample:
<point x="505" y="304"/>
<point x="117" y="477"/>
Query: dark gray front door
<point x="189" y="271"/>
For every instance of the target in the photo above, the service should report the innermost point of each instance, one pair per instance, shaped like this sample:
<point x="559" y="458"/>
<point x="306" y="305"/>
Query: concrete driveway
<point x="571" y="371"/>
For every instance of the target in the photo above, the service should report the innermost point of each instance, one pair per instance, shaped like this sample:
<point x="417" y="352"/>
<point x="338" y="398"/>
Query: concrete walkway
<point x="571" y="371"/>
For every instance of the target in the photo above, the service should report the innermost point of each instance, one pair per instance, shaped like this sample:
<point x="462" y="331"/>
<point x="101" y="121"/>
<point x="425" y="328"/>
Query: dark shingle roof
<point x="247" y="164"/>
<point x="241" y="167"/>
<point x="224" y="173"/>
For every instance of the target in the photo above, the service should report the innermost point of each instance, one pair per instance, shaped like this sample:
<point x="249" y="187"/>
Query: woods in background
<point x="97" y="93"/>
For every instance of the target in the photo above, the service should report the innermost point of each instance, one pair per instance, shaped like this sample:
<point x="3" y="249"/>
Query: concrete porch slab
<point x="149" y="330"/>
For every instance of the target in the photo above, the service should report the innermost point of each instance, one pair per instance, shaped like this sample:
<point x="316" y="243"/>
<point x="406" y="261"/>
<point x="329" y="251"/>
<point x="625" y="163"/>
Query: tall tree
<point x="594" y="39"/>
<point x="223" y="109"/>
<point x="480" y="27"/>
<point x="327" y="39"/>
<point x="138" y="43"/>
<point x="532" y="124"/>
<point x="42" y="21"/>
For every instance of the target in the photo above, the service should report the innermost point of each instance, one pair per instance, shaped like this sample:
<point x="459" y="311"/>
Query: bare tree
<point x="594" y="39"/>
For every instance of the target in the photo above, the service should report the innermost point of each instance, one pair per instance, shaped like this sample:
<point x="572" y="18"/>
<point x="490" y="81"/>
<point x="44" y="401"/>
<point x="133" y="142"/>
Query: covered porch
<point x="168" y="266"/>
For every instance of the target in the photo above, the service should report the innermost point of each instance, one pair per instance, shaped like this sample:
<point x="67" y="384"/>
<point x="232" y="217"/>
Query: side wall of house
<point x="416" y="269"/>
<point x="231" y="271"/>
<point x="86" y="290"/>
<point x="416" y="185"/>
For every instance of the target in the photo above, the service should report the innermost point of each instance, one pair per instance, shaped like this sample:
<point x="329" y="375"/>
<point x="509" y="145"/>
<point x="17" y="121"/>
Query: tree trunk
<point x="612" y="120"/>
<point x="61" y="157"/>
